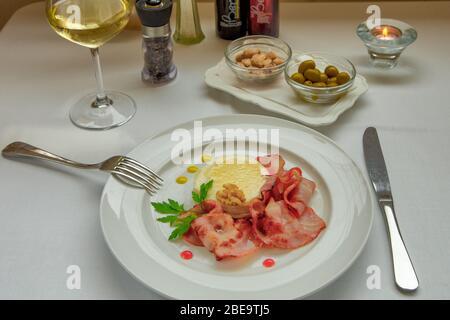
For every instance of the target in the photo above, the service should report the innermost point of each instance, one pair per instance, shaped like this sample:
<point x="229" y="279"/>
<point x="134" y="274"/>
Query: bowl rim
<point x="324" y="89"/>
<point x="238" y="67"/>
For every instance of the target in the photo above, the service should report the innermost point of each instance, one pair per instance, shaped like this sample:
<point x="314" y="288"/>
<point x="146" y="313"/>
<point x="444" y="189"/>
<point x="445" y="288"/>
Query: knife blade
<point x="376" y="166"/>
<point x="404" y="273"/>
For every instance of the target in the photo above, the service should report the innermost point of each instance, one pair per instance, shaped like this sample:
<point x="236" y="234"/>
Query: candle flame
<point x="385" y="32"/>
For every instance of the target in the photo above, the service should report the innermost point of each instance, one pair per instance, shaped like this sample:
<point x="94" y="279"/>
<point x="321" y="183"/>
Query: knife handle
<point x="405" y="275"/>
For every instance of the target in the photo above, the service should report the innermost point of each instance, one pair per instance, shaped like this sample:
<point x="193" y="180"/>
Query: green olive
<point x="323" y="77"/>
<point x="312" y="75"/>
<point x="319" y="84"/>
<point x="343" y="77"/>
<point x="305" y="65"/>
<point x="331" y="71"/>
<point x="332" y="84"/>
<point x="298" y="77"/>
<point x="308" y="83"/>
<point x="333" y="79"/>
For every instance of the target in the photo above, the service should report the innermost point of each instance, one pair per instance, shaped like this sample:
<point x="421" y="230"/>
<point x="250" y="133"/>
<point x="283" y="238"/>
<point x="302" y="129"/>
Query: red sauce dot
<point x="268" y="263"/>
<point x="186" y="255"/>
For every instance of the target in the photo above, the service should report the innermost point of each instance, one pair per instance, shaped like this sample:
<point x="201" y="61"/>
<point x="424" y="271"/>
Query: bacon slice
<point x="299" y="194"/>
<point x="294" y="189"/>
<point x="223" y="236"/>
<point x="191" y="238"/>
<point x="278" y="225"/>
<point x="207" y="206"/>
<point x="211" y="206"/>
<point x="284" y="180"/>
<point x="274" y="164"/>
<point x="299" y="206"/>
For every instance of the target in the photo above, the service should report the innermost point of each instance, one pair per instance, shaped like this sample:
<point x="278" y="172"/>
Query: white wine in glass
<point x="91" y="23"/>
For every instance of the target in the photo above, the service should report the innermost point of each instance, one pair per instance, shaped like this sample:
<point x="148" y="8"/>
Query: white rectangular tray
<point x="278" y="97"/>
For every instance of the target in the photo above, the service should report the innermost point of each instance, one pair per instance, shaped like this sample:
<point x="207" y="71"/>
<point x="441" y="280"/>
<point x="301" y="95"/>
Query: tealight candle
<point x="385" y="32"/>
<point x="386" y="41"/>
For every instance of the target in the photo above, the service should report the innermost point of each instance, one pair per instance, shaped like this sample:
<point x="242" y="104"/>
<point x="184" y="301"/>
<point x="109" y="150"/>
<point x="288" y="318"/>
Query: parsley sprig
<point x="182" y="227"/>
<point x="171" y="206"/>
<point x="173" y="212"/>
<point x="204" y="189"/>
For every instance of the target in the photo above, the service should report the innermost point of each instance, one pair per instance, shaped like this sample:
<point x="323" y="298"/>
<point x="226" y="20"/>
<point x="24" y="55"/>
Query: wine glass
<point x="91" y="23"/>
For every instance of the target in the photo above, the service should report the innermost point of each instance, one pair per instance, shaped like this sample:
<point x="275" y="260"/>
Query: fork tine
<point x="137" y="181"/>
<point x="142" y="172"/>
<point x="138" y="176"/>
<point x="152" y="173"/>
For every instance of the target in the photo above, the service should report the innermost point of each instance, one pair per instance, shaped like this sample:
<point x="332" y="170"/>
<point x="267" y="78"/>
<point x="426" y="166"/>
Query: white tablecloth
<point x="49" y="214"/>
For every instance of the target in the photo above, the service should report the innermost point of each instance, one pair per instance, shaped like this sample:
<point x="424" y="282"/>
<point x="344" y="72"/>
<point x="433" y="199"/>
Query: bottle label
<point x="231" y="14"/>
<point x="260" y="12"/>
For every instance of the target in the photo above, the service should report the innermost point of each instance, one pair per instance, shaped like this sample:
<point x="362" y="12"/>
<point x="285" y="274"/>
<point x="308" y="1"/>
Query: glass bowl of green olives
<point x="257" y="58"/>
<point x="320" y="77"/>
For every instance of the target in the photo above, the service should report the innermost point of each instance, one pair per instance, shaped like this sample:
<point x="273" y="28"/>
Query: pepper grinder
<point x="157" y="44"/>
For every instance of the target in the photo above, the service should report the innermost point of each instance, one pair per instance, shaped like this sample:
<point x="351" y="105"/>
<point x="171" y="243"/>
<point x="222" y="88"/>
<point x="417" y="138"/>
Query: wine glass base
<point x="118" y="110"/>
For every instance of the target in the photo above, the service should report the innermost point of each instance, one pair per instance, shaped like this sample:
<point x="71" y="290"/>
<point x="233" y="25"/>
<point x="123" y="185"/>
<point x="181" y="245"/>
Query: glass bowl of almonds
<point x="257" y="58"/>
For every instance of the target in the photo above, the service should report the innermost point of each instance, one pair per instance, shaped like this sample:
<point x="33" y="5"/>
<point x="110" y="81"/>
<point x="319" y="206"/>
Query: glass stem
<point x="102" y="100"/>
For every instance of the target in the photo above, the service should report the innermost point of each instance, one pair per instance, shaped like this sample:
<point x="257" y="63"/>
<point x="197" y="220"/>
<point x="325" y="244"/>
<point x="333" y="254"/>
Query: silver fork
<point x="125" y="169"/>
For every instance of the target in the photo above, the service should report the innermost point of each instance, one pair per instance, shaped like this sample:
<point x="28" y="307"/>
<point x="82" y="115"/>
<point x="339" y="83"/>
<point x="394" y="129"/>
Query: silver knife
<point x="405" y="275"/>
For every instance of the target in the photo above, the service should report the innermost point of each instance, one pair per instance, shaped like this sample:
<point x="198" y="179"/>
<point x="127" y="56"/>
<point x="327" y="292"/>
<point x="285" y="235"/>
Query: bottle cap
<point x="154" y="13"/>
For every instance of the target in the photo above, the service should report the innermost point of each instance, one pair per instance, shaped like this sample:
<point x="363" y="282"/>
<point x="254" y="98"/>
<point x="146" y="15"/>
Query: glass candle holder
<point x="188" y="29"/>
<point x="386" y="41"/>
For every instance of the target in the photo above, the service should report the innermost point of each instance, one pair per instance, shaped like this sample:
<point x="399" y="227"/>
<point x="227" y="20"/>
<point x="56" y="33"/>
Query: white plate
<point x="279" y="97"/>
<point x="140" y="243"/>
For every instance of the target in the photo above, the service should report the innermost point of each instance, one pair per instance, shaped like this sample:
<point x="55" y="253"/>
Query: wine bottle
<point x="231" y="18"/>
<point x="264" y="17"/>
